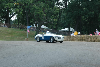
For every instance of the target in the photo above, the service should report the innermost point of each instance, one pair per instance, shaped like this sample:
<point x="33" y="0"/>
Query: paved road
<point x="42" y="54"/>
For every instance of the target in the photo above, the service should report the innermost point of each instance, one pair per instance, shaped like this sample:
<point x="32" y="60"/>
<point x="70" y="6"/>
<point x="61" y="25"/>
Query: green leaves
<point x="82" y="15"/>
<point x="85" y="15"/>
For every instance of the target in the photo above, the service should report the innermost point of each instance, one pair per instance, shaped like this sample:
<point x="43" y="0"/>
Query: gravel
<point x="42" y="54"/>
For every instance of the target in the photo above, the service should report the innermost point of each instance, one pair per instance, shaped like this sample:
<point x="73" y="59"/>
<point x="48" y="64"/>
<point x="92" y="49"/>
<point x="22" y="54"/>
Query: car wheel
<point x="51" y="39"/>
<point x="61" y="41"/>
<point x="38" y="39"/>
<point x="47" y="41"/>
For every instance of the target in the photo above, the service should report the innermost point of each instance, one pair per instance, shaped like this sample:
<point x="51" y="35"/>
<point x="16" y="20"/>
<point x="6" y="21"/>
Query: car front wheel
<point x="51" y="39"/>
<point x="61" y="41"/>
<point x="38" y="39"/>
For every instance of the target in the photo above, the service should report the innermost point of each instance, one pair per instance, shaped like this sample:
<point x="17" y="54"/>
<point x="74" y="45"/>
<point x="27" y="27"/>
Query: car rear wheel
<point x="38" y="39"/>
<point x="51" y="39"/>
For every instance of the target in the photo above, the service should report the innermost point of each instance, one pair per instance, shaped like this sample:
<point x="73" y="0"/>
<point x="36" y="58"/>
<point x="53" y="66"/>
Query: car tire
<point x="38" y="39"/>
<point x="61" y="41"/>
<point x="47" y="41"/>
<point x="51" y="39"/>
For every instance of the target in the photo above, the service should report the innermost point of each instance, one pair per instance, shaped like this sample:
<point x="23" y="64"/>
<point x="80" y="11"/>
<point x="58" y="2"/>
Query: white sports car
<point x="49" y="37"/>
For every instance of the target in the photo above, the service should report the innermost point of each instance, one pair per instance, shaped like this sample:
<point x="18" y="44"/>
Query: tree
<point x="38" y="12"/>
<point x="6" y="10"/>
<point x="82" y="15"/>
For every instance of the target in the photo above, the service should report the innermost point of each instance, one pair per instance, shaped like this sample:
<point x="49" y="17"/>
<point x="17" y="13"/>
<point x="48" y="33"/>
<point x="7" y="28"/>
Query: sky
<point x="60" y="0"/>
<point x="14" y="17"/>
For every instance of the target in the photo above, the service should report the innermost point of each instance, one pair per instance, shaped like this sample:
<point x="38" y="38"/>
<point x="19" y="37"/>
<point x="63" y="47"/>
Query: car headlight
<point x="56" y="36"/>
<point x="59" y="37"/>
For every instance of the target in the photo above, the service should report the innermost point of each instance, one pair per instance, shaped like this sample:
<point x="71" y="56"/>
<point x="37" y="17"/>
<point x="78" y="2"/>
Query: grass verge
<point x="11" y="34"/>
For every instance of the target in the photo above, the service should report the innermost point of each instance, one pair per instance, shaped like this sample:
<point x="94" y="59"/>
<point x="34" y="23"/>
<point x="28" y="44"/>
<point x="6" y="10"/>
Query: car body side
<point x="47" y="37"/>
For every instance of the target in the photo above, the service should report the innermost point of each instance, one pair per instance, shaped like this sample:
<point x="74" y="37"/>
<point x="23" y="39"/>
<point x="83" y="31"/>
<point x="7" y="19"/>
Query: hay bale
<point x="81" y="38"/>
<point x="86" y="38"/>
<point x="98" y="38"/>
<point x="72" y="38"/>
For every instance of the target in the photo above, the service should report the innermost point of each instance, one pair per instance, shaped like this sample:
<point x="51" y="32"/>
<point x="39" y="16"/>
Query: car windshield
<point x="48" y="32"/>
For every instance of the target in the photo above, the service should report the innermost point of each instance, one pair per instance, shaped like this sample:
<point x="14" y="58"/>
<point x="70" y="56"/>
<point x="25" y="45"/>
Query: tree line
<point x="82" y="15"/>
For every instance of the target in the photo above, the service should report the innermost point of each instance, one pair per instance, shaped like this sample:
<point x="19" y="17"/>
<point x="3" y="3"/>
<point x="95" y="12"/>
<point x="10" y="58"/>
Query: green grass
<point x="11" y="34"/>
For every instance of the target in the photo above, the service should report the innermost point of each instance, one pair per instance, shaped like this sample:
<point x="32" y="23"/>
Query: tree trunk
<point x="18" y="22"/>
<point x="7" y="21"/>
<point x="69" y="29"/>
<point x="27" y="17"/>
<point x="37" y="29"/>
<point x="66" y="4"/>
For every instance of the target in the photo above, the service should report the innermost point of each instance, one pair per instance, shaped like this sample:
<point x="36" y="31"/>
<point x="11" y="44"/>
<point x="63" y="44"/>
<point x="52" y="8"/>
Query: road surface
<point x="42" y="54"/>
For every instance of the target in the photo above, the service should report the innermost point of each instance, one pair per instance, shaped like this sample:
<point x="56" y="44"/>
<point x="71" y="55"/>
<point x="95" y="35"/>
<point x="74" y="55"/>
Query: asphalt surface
<point x="42" y="54"/>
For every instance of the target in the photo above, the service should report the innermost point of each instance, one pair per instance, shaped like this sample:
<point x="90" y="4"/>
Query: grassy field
<point x="11" y="34"/>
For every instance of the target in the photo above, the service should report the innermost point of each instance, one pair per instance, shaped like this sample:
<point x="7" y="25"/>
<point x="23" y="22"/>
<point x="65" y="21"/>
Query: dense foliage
<point x="82" y="15"/>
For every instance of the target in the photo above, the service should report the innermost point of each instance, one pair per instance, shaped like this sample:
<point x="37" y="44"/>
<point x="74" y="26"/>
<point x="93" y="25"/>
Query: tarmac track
<point x="42" y="54"/>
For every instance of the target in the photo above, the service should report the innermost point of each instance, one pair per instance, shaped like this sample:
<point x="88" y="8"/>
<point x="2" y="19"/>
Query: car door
<point x="47" y="37"/>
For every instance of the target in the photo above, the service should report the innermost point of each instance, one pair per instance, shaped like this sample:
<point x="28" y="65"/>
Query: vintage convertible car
<point x="49" y="37"/>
